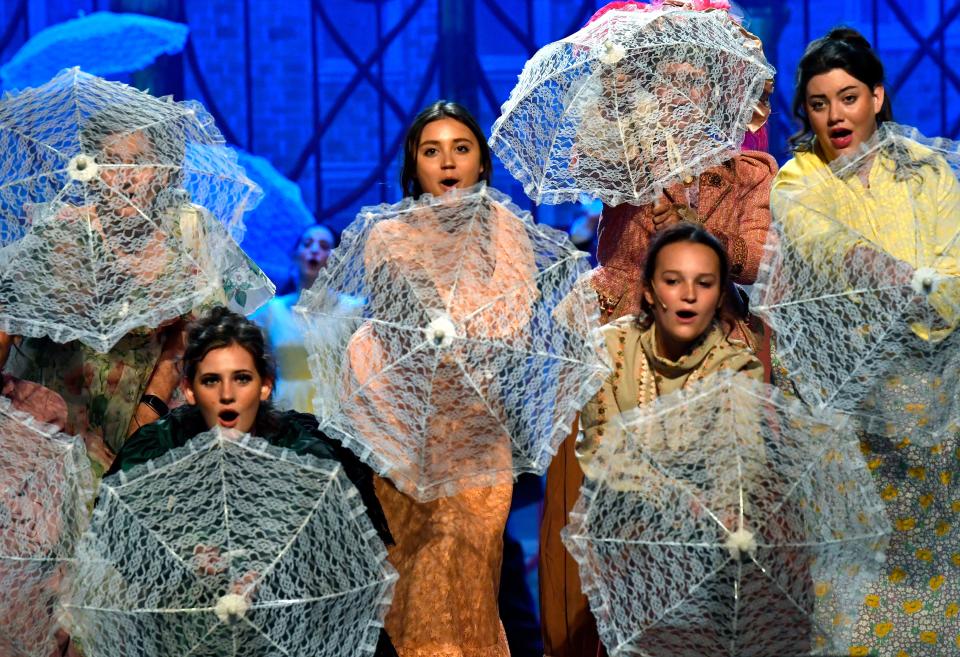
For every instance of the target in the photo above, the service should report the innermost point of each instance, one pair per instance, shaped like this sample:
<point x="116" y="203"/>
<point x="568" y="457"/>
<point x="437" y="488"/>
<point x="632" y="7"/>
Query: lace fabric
<point x="473" y="351"/>
<point x="860" y="282"/>
<point x="727" y="519"/>
<point x="636" y="101"/>
<point x="45" y="488"/>
<point x="230" y="546"/>
<point x="448" y="553"/>
<point x="119" y="211"/>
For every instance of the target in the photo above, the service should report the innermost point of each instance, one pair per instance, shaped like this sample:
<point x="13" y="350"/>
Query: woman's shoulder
<point x="755" y="165"/>
<point x="736" y="355"/>
<point x="802" y="164"/>
<point x="622" y="326"/>
<point x="157" y="438"/>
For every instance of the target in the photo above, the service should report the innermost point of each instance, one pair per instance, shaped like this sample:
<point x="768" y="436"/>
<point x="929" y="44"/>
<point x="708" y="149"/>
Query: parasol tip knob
<point x="82" y="167"/>
<point x="612" y="52"/>
<point x="441" y="331"/>
<point x="925" y="280"/>
<point x="231" y="608"/>
<point x="741" y="543"/>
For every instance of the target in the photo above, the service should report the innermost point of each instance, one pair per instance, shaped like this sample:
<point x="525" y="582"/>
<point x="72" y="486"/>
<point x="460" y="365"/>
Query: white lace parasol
<point x="640" y="99"/>
<point x="861" y="284"/>
<point x="116" y="209"/>
<point x="727" y="520"/>
<point x="230" y="546"/>
<point x="451" y="344"/>
<point x="45" y="489"/>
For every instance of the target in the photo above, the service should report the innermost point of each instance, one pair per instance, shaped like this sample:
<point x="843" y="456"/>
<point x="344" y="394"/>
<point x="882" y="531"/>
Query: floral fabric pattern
<point x="101" y="390"/>
<point x="914" y="610"/>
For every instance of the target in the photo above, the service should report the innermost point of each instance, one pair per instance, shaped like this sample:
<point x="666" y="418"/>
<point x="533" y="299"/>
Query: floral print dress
<point x="914" y="609"/>
<point x="101" y="390"/>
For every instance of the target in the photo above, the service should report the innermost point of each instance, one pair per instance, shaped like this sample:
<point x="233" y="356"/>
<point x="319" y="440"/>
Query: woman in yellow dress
<point x="840" y="101"/>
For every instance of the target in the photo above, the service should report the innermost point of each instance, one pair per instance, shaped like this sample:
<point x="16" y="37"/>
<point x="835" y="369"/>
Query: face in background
<point x="448" y="157"/>
<point x="228" y="389"/>
<point x="311" y="254"/>
<point x="685" y="294"/>
<point x="134" y="183"/>
<point x="842" y="111"/>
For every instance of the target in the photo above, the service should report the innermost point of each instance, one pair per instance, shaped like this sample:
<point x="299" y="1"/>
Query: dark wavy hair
<point x="846" y="49"/>
<point x="442" y="109"/>
<point x="221" y="327"/>
<point x="689" y="232"/>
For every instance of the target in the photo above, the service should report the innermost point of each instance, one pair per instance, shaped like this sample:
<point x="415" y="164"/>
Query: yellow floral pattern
<point x="914" y="611"/>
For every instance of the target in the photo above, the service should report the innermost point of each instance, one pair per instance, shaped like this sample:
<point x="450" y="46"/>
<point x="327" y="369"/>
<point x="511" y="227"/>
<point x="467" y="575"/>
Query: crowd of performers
<point x="668" y="295"/>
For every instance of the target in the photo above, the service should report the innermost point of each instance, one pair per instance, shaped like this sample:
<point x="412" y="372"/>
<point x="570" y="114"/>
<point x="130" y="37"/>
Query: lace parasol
<point x="861" y="283"/>
<point x="728" y="520"/>
<point x="450" y="341"/>
<point x="230" y="546"/>
<point x="45" y="489"/>
<point x="641" y="98"/>
<point x="115" y="212"/>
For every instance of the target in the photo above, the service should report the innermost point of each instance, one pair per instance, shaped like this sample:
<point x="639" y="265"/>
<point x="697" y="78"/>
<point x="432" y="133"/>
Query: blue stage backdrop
<point x="324" y="89"/>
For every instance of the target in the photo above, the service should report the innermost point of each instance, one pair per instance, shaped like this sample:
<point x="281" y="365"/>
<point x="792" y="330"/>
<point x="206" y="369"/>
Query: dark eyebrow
<point x="437" y="141"/>
<point x="844" y="90"/>
<point x="679" y="273"/>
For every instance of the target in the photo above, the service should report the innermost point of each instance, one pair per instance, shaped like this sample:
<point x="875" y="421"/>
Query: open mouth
<point x="841" y="137"/>
<point x="686" y="315"/>
<point x="449" y="182"/>
<point x="228" y="418"/>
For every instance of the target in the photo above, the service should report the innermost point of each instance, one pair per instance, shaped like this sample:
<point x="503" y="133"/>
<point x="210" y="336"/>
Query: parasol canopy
<point x="469" y="347"/>
<point x="860" y="283"/>
<point x="115" y="212"/>
<point x="642" y="98"/>
<point x="45" y="489"/>
<point x="101" y="43"/>
<point x="230" y="546"/>
<point x="726" y="519"/>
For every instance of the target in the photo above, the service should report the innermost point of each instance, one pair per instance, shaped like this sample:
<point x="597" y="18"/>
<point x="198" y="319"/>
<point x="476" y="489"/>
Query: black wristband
<point x="156" y="404"/>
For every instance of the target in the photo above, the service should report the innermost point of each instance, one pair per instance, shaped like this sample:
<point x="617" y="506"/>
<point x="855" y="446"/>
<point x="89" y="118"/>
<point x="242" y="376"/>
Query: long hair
<point x="688" y="232"/>
<point x="842" y="48"/>
<point x="442" y="109"/>
<point x="219" y="328"/>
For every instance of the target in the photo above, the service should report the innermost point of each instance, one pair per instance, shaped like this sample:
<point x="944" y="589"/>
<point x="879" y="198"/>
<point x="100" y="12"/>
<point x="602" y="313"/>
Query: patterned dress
<point x="101" y="390"/>
<point x="914" y="610"/>
<point x="448" y="551"/>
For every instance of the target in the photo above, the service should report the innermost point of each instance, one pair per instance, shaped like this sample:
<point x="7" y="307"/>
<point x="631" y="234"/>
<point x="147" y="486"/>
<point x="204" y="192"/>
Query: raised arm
<point x="165" y="376"/>
<point x="755" y="172"/>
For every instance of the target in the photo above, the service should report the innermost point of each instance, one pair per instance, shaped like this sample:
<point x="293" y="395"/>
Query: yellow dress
<point x="883" y="212"/>
<point x="914" y="609"/>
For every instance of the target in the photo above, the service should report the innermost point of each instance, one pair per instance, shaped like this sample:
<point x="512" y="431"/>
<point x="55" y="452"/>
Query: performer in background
<point x="294" y="387"/>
